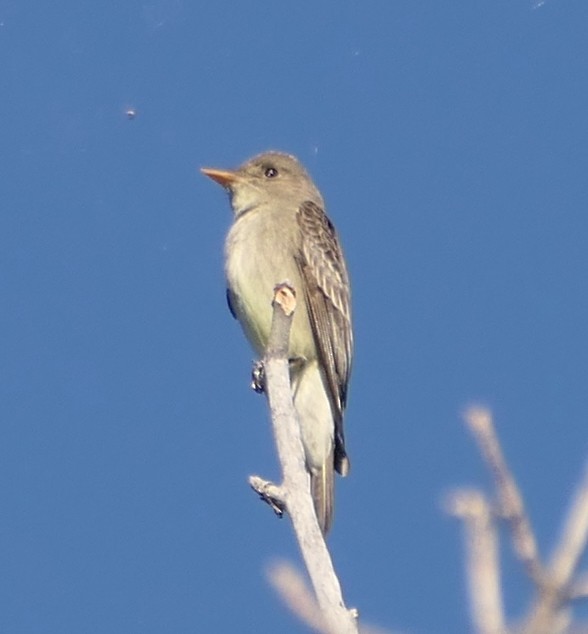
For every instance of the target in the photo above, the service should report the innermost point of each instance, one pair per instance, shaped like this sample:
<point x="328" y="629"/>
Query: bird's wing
<point x="328" y="300"/>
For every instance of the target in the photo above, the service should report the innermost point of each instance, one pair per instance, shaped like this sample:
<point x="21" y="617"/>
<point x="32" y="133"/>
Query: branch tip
<point x="285" y="298"/>
<point x="478" y="418"/>
<point x="270" y="493"/>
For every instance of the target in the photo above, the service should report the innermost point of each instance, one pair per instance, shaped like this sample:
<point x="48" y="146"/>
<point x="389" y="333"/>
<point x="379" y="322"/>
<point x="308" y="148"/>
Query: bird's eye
<point x="270" y="172"/>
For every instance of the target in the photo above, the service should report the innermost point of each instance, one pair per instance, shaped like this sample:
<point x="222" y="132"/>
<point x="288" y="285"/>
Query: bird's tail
<point x="322" y="488"/>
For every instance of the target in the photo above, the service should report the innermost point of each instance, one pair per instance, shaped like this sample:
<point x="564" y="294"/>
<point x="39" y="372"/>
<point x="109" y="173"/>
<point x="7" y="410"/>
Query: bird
<point x="280" y="231"/>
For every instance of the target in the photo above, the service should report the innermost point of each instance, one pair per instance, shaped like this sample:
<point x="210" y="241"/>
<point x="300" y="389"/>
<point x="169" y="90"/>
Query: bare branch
<point x="572" y="542"/>
<point x="479" y="420"/>
<point x="296" y="482"/>
<point x="482" y="560"/>
<point x="554" y="598"/>
<point x="292" y="588"/>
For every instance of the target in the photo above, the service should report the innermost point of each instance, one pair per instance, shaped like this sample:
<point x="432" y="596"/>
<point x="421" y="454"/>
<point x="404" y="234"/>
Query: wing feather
<point x="327" y="296"/>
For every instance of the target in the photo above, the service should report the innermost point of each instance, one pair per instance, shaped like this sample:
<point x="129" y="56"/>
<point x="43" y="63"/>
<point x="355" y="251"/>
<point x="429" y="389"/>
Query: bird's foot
<point x="258" y="377"/>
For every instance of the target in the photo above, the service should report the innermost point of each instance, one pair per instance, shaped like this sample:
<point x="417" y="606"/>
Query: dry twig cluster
<point x="558" y="583"/>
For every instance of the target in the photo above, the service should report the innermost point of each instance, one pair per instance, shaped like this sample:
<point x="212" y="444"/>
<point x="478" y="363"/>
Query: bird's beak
<point x="223" y="177"/>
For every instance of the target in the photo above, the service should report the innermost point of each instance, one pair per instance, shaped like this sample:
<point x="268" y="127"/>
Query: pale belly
<point x="257" y="261"/>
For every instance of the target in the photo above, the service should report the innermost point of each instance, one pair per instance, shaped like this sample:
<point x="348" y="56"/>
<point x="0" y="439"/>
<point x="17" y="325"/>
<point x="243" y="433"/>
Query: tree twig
<point x="291" y="587"/>
<point x="572" y="542"/>
<point x="554" y="598"/>
<point x="479" y="420"/>
<point x="482" y="560"/>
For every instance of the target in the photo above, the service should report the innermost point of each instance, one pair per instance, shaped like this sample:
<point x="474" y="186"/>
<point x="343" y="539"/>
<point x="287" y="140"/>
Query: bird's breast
<point x="259" y="253"/>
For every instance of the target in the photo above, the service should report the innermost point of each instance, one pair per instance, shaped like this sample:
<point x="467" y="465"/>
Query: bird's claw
<point x="258" y="377"/>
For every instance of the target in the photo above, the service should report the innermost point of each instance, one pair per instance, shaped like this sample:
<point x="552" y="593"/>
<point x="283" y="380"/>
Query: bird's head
<point x="269" y="177"/>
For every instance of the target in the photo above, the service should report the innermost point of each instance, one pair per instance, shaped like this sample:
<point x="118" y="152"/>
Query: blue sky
<point x="450" y="143"/>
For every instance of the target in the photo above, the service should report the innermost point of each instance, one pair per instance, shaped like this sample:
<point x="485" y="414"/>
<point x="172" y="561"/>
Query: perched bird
<point x="281" y="232"/>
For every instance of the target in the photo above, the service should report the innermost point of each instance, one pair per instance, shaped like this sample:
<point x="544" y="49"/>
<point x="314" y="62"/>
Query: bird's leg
<point x="258" y="377"/>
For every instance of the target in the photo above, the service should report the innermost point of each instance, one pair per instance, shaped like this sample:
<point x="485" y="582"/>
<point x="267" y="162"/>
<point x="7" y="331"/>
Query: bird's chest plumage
<point x="260" y="252"/>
